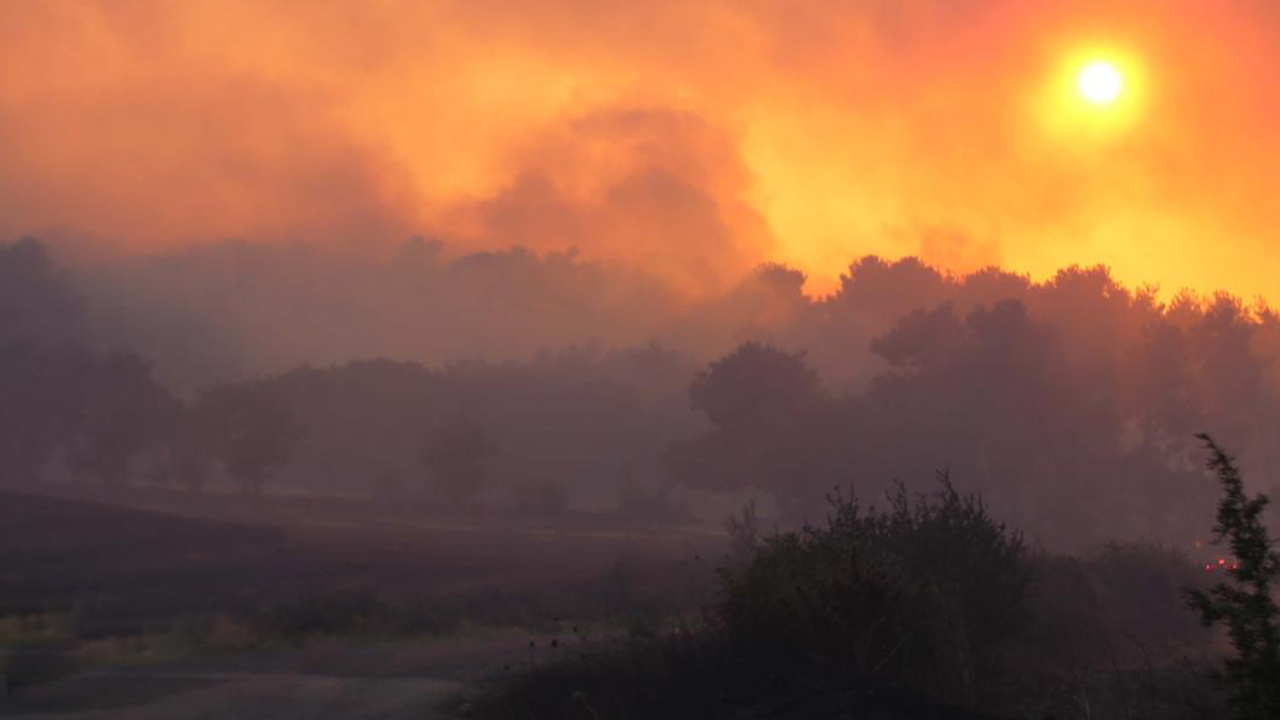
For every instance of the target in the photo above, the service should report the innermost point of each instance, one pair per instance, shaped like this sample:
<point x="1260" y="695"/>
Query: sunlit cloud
<point x="694" y="139"/>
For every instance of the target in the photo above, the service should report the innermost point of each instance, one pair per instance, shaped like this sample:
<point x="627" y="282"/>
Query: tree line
<point x="1069" y="403"/>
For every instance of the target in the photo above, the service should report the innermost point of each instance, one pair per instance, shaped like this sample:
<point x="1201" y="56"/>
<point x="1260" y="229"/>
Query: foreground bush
<point x="912" y="611"/>
<point x="692" y="678"/>
<point x="925" y="592"/>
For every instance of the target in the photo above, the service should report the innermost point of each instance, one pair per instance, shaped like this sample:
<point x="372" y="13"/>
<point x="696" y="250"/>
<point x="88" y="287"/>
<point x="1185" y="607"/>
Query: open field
<point x="178" y="609"/>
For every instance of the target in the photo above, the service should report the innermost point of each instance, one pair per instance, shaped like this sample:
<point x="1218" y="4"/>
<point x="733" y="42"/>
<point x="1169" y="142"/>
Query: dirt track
<point x="385" y="682"/>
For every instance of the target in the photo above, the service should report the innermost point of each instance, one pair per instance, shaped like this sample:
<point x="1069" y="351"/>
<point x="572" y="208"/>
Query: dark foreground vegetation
<point x="871" y="612"/>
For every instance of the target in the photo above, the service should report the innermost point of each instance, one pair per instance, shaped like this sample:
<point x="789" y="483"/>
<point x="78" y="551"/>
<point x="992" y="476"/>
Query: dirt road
<point x="323" y="681"/>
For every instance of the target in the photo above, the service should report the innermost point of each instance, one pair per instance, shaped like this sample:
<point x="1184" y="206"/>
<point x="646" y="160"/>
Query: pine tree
<point x="1243" y="600"/>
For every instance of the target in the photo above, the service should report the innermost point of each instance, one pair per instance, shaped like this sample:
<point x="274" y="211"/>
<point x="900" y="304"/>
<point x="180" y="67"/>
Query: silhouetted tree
<point x="42" y="400"/>
<point x="1244" y="601"/>
<point x="44" y="376"/>
<point x="773" y="429"/>
<point x="37" y="303"/>
<point x="1230" y="374"/>
<point x="886" y="291"/>
<point x="756" y="386"/>
<point x="122" y="410"/>
<point x="186" y="435"/>
<point x="1159" y="386"/>
<point x="455" y="457"/>
<point x="252" y="431"/>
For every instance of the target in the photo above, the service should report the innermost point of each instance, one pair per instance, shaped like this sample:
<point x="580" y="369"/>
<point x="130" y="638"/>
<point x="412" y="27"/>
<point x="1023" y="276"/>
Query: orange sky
<point x="697" y="138"/>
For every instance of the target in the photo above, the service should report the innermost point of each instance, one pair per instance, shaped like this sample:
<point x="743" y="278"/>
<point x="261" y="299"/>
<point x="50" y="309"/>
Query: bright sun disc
<point x="1100" y="83"/>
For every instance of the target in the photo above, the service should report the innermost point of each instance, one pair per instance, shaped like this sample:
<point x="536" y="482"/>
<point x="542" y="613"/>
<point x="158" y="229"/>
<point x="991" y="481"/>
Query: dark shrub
<point x="925" y="592"/>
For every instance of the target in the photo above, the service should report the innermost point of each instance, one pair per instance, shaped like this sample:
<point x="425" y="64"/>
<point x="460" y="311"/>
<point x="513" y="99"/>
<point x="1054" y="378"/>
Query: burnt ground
<point x="148" y="560"/>
<point x="178" y="555"/>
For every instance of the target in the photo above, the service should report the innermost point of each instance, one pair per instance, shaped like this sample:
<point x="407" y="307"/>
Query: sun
<point x="1095" y="92"/>
<point x="1100" y="83"/>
